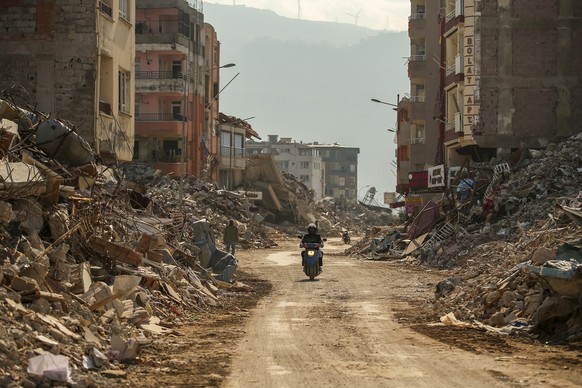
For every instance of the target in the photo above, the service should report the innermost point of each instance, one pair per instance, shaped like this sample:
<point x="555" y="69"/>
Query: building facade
<point x="75" y="61"/>
<point x="510" y="77"/>
<point x="419" y="127"/>
<point x="340" y="170"/>
<point x="169" y="96"/>
<point x="522" y="76"/>
<point x="233" y="133"/>
<point x="296" y="158"/>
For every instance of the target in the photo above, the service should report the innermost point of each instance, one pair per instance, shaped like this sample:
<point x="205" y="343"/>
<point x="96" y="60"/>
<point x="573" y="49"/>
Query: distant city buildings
<point x="328" y="169"/>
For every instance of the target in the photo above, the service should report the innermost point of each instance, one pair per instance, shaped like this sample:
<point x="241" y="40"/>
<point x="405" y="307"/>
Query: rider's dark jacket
<point x="311" y="238"/>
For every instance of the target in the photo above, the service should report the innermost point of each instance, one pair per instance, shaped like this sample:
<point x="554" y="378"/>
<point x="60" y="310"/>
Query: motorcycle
<point x="346" y="237"/>
<point x="311" y="258"/>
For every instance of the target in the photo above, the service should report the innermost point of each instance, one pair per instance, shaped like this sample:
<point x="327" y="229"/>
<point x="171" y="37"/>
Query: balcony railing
<point x="105" y="9"/>
<point x="417" y="140"/>
<point x="451" y="15"/>
<point x="159" y="117"/>
<point x="161" y="27"/>
<point x="416" y="57"/>
<point x="234" y="152"/>
<point x="416" y="98"/>
<point x="416" y="16"/>
<point x="160" y="75"/>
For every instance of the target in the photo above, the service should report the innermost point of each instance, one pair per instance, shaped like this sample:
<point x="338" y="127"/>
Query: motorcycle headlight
<point x="310" y="253"/>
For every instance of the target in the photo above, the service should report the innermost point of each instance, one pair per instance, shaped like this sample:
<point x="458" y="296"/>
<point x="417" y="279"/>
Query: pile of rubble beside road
<point x="96" y="260"/>
<point x="514" y="247"/>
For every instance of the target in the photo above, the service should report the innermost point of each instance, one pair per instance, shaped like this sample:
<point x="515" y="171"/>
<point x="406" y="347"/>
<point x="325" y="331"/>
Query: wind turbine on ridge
<point x="356" y="16"/>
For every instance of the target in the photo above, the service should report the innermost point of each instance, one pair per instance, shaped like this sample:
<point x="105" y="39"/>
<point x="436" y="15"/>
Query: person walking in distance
<point x="230" y="237"/>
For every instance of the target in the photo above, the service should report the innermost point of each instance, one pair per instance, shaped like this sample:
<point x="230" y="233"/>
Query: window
<point x="283" y="164"/>
<point x="304" y="178"/>
<point x="124" y="9"/>
<point x="352" y="168"/>
<point x="124" y="88"/>
<point x="105" y="7"/>
<point x="304" y="165"/>
<point x="177" y="110"/>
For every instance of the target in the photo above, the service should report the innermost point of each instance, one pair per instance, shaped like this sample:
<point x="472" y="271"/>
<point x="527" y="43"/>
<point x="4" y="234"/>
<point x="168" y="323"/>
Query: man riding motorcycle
<point x="312" y="237"/>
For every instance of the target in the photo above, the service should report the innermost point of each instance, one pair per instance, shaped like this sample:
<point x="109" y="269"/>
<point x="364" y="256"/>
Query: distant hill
<point x="237" y="25"/>
<point x="313" y="81"/>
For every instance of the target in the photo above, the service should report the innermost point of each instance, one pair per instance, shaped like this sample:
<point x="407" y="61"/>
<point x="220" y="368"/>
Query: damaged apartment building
<point x="330" y="170"/>
<point x="487" y="78"/>
<point x="177" y="85"/>
<point x="139" y="80"/>
<point x="75" y="60"/>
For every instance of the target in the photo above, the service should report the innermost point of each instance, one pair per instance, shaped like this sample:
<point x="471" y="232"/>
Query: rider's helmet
<point x="312" y="228"/>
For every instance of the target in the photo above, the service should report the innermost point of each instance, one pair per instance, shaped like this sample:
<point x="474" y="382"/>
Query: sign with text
<point x="436" y="176"/>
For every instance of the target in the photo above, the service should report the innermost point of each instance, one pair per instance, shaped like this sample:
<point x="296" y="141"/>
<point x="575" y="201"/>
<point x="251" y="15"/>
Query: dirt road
<point x="356" y="325"/>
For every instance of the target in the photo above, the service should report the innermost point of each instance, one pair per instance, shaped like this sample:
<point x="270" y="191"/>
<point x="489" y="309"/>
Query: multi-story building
<point x="510" y="77"/>
<point x="75" y="60"/>
<point x="340" y="170"/>
<point x="210" y="137"/>
<point x="177" y="78"/>
<point x="297" y="158"/>
<point x="418" y="129"/>
<point x="232" y="162"/>
<point x="522" y="86"/>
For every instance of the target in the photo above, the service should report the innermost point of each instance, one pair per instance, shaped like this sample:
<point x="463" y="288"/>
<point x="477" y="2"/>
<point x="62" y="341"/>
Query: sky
<point x="336" y="115"/>
<point x="374" y="14"/>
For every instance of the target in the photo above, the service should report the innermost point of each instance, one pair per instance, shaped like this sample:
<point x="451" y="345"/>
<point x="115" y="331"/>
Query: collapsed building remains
<point x="514" y="245"/>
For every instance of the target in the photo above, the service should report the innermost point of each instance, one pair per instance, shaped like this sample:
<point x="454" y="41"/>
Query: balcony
<point x="417" y="16"/>
<point x="455" y="71"/>
<point x="417" y="98"/>
<point x="232" y="157"/>
<point x="159" y="125"/>
<point x="416" y="25"/>
<point x="160" y="81"/>
<point x="454" y="17"/>
<point x="417" y="57"/>
<point x="165" y="32"/>
<point x="158" y="117"/>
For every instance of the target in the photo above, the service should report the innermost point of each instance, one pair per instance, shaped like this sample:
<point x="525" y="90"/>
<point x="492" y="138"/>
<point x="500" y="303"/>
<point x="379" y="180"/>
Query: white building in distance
<point x="296" y="158"/>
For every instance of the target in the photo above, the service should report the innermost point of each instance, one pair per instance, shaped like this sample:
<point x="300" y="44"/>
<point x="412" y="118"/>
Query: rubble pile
<point x="203" y="200"/>
<point x="522" y="266"/>
<point x="91" y="269"/>
<point x="514" y="247"/>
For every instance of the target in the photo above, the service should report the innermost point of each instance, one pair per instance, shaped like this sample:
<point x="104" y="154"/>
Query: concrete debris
<point x="514" y="247"/>
<point x="97" y="261"/>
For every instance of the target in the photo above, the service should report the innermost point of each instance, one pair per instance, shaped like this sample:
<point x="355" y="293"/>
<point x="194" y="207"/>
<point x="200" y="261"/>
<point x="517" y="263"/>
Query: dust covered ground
<point x="363" y="322"/>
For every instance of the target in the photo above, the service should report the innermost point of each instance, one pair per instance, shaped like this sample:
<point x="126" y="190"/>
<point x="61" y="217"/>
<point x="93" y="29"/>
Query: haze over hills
<point x="313" y="81"/>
